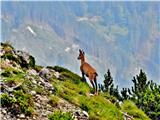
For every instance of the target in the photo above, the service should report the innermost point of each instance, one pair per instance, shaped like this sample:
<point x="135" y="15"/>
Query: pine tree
<point x="146" y="95"/>
<point x="109" y="86"/>
<point x="108" y="80"/>
<point x="100" y="88"/>
<point x="125" y="96"/>
<point x="116" y="93"/>
<point x="140" y="84"/>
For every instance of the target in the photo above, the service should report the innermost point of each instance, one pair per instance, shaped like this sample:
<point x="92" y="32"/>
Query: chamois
<point x="88" y="70"/>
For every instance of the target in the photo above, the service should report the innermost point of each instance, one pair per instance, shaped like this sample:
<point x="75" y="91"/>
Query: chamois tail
<point x="96" y="74"/>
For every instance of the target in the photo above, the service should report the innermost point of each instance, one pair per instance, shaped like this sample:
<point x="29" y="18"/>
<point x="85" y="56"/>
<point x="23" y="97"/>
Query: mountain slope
<point x="31" y="92"/>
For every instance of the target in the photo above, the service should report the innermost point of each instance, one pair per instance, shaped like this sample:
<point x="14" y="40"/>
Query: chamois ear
<point x="82" y="52"/>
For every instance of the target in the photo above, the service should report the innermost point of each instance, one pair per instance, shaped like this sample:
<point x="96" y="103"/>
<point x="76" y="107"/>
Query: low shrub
<point x="6" y="100"/>
<point x="10" y="56"/>
<point x="132" y="109"/>
<point x="70" y="76"/>
<point x="58" y="69"/>
<point x="31" y="61"/>
<point x="25" y="102"/>
<point x="66" y="74"/>
<point x="6" y="44"/>
<point x="38" y="68"/>
<point x="6" y="74"/>
<point x="53" y="100"/>
<point x="58" y="115"/>
<point x="39" y="89"/>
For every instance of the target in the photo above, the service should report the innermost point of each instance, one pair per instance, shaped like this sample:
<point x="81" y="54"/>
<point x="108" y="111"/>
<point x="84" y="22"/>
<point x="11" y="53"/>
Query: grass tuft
<point x="132" y="110"/>
<point x="58" y="115"/>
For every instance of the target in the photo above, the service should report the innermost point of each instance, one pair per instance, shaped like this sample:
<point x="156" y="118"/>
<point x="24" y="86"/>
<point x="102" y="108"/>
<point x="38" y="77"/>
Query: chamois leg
<point x="95" y="82"/>
<point x="83" y="78"/>
<point x="92" y="84"/>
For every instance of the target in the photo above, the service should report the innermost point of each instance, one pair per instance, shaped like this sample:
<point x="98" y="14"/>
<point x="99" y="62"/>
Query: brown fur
<point x="88" y="70"/>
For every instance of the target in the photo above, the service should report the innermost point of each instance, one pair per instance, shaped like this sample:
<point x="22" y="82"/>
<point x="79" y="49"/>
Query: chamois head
<point x="81" y="55"/>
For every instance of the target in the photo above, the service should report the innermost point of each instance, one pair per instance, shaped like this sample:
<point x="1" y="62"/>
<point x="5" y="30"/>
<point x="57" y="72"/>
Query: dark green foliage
<point x="10" y="56"/>
<point x="58" y="115"/>
<point x="6" y="100"/>
<point x="6" y="74"/>
<point x="31" y="61"/>
<point x="108" y="80"/>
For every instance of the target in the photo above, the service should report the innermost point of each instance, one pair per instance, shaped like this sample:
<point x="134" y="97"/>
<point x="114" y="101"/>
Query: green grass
<point x="12" y="76"/>
<point x="132" y="110"/>
<point x="53" y="100"/>
<point x="97" y="106"/>
<point x="66" y="74"/>
<point x="10" y="70"/>
<point x="58" y="115"/>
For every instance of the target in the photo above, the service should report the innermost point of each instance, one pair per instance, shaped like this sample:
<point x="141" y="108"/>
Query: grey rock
<point x="43" y="72"/>
<point x="32" y="72"/>
<point x="37" y="105"/>
<point x="85" y="113"/>
<point x="24" y="55"/>
<point x="22" y="116"/>
<point x="48" y="86"/>
<point x="4" y="111"/>
<point x="33" y="92"/>
<point x="34" y="81"/>
<point x="78" y="113"/>
<point x="57" y="74"/>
